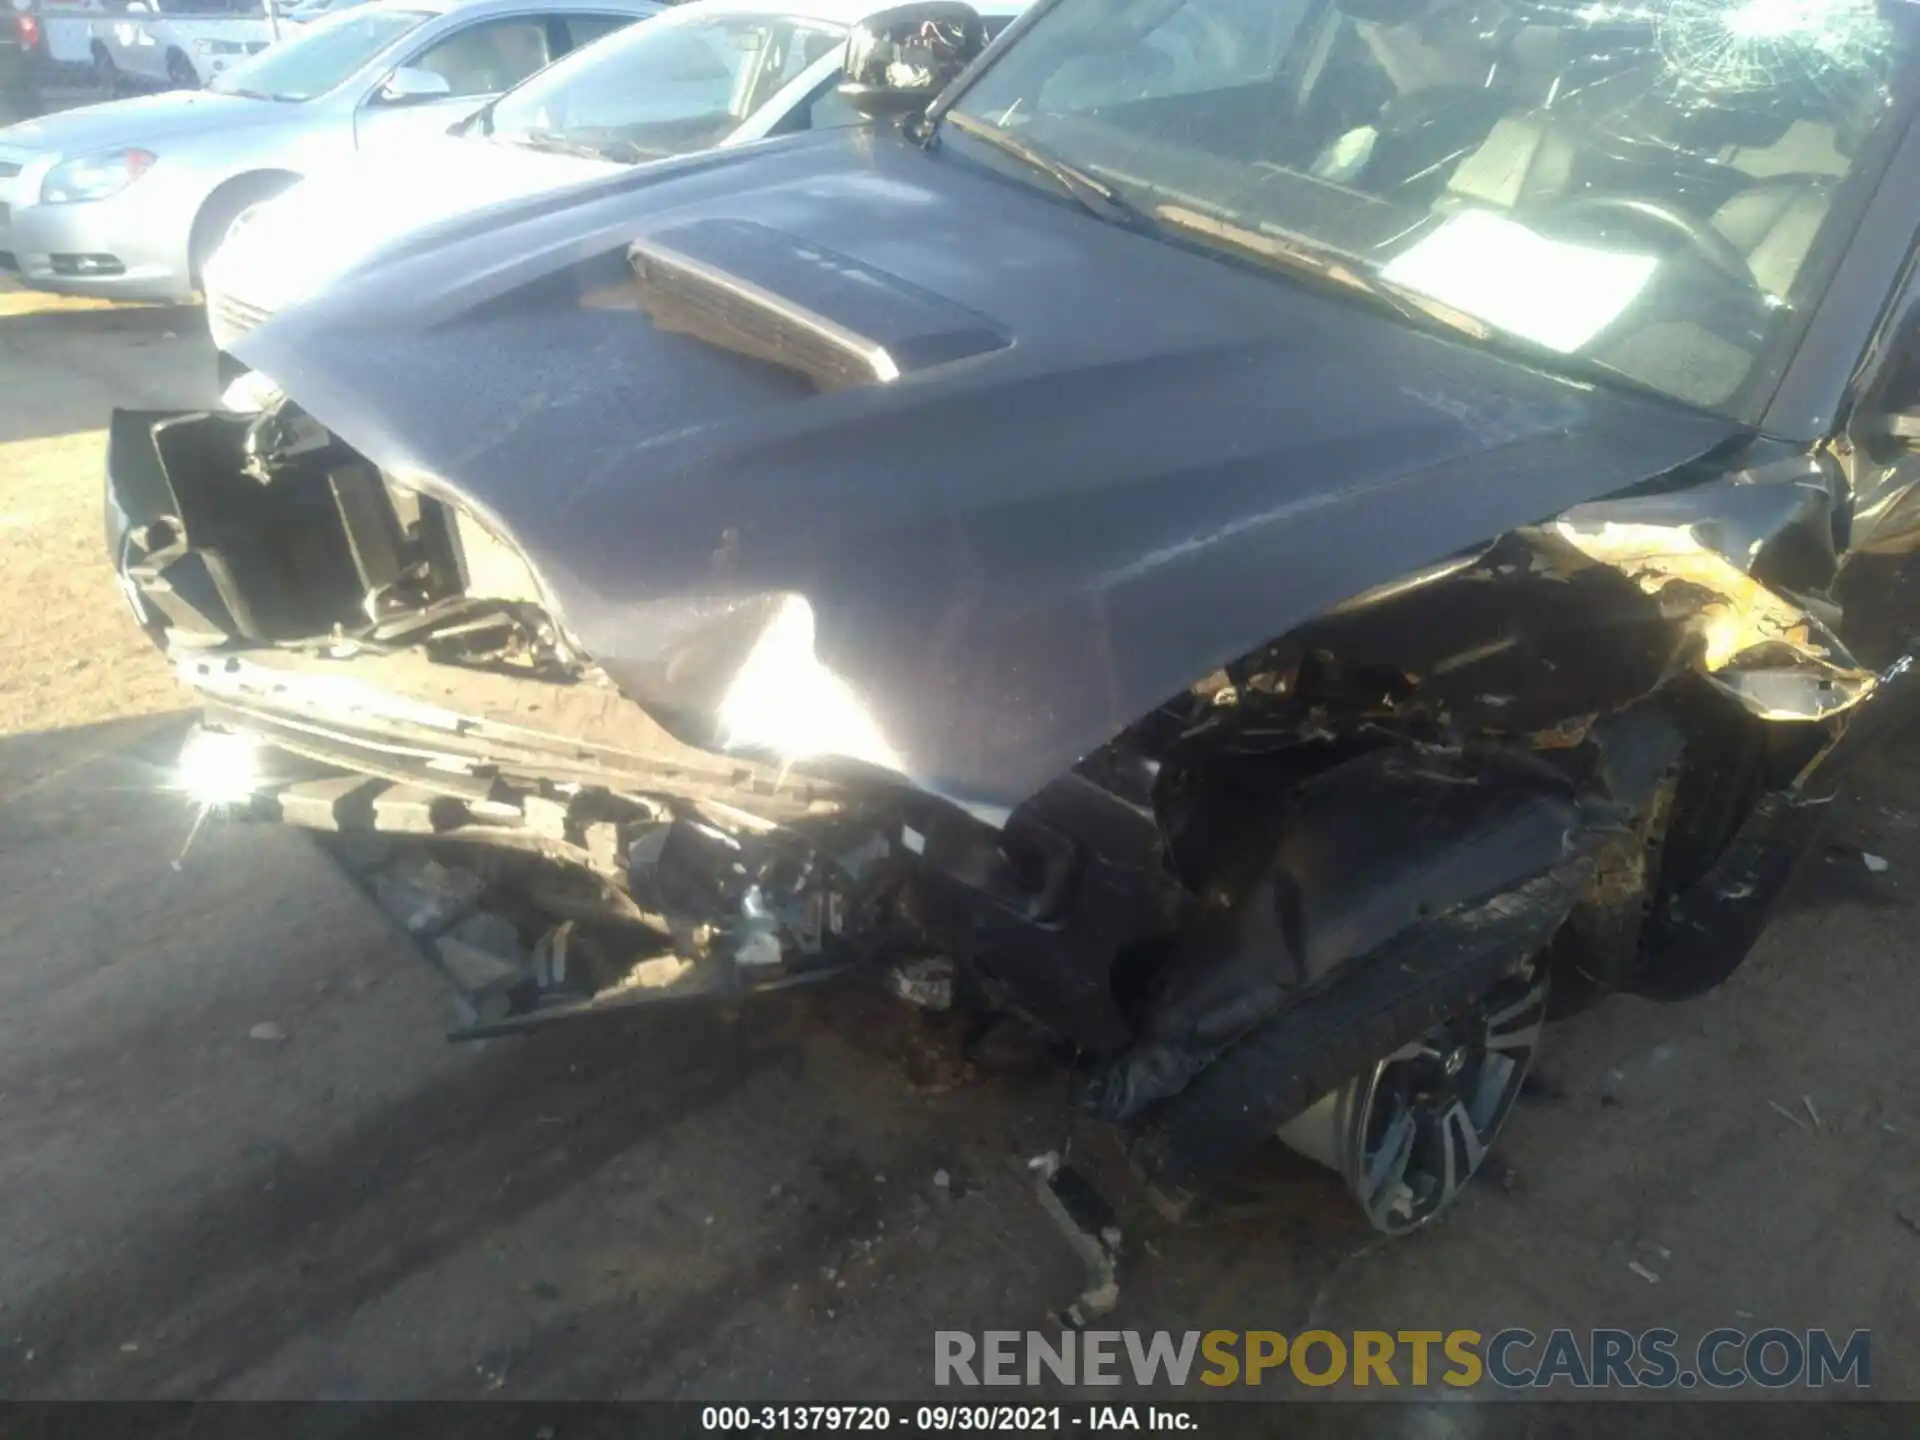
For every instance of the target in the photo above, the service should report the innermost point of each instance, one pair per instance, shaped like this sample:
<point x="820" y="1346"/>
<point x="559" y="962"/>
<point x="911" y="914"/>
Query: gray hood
<point x="1107" y="466"/>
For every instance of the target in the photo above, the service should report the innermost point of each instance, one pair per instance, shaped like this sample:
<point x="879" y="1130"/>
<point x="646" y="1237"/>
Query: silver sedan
<point x="127" y="200"/>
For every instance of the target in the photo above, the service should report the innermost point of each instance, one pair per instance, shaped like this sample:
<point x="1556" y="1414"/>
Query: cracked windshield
<point x="1662" y="189"/>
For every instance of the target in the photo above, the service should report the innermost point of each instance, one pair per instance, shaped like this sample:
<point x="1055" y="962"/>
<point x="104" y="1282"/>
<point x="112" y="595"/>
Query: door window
<point x="487" y="58"/>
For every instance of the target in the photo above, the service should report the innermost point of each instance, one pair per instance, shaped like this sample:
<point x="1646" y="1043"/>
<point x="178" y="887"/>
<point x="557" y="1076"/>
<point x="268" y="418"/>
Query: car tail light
<point x="29" y="30"/>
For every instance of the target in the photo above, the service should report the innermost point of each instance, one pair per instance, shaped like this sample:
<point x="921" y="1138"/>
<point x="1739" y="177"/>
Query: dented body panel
<point x="716" y="582"/>
<point x="999" y="607"/>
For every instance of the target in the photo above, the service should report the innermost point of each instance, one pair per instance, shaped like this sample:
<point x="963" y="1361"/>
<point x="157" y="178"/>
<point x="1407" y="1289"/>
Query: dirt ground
<point x="735" y="1207"/>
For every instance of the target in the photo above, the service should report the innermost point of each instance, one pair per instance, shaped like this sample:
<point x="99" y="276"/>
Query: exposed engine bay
<point x="1592" y="747"/>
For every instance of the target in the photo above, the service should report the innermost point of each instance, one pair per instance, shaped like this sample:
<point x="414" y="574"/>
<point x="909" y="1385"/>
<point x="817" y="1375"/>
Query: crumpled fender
<point x="1368" y="854"/>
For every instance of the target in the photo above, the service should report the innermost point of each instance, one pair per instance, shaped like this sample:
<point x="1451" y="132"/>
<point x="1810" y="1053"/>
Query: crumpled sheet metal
<point x="1375" y="853"/>
<point x="1758" y="647"/>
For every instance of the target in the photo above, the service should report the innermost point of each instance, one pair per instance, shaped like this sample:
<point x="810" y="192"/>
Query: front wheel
<point x="180" y="72"/>
<point x="1407" y="1135"/>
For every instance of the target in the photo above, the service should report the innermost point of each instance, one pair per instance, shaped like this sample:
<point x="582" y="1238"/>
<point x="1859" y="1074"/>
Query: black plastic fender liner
<point x="1236" y="1104"/>
<point x="1366" y="853"/>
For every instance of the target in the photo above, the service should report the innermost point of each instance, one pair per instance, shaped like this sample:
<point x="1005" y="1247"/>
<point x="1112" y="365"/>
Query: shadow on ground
<point x="186" y="1209"/>
<point x="787" y="1201"/>
<point x="61" y="355"/>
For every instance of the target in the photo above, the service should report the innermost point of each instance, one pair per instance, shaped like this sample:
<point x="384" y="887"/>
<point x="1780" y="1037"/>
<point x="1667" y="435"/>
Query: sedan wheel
<point x="180" y="72"/>
<point x="1408" y="1135"/>
<point x="106" y="74"/>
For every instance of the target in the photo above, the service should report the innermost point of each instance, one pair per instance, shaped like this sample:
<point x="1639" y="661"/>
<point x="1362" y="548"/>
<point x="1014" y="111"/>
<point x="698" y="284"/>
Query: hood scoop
<point x="764" y="293"/>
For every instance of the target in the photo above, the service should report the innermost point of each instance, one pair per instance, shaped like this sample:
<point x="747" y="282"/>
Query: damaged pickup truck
<point x="1248" y="537"/>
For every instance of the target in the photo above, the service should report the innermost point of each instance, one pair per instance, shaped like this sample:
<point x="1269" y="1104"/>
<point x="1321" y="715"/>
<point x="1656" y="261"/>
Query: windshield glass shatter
<point x="1661" y="190"/>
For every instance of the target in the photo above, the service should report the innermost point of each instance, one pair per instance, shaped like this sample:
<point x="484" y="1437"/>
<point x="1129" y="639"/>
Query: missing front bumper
<point x="546" y="902"/>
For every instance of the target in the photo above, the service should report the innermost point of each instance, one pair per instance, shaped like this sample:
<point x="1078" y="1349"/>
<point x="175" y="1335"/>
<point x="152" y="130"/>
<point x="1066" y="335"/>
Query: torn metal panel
<point x="1762" y="650"/>
<point x="1554" y="624"/>
<point x="1738" y="564"/>
<point x="1527" y="639"/>
<point x="1775" y="521"/>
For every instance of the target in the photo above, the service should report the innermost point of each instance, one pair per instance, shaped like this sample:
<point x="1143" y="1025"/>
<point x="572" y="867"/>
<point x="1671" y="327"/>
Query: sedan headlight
<point x="219" y="47"/>
<point x="94" y="177"/>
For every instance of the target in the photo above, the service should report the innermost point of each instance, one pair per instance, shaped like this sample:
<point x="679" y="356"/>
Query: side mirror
<point x="899" y="59"/>
<point x="408" y="86"/>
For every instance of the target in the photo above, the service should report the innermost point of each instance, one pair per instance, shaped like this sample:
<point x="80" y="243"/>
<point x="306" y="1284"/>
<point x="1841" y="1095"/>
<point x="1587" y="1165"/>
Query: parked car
<point x="21" y="42"/>
<point x="177" y="43"/>
<point x="303" y="11"/>
<point x="1251" y="569"/>
<point x="127" y="200"/>
<point x="709" y="73"/>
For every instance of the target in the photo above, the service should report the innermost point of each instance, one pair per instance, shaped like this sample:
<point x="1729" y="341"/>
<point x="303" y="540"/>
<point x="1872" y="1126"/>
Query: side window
<point x="487" y="58"/>
<point x="585" y="29"/>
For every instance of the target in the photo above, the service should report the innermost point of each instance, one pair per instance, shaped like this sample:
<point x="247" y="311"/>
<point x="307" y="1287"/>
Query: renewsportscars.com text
<point x="1771" y="1358"/>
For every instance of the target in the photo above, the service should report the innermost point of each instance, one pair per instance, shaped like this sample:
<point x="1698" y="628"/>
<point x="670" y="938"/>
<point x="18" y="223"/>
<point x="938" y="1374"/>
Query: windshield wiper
<point x="262" y="95"/>
<point x="553" y="142"/>
<point x="1303" y="258"/>
<point x="1094" y="196"/>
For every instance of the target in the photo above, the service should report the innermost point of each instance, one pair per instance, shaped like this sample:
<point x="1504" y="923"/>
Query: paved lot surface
<point x="745" y="1206"/>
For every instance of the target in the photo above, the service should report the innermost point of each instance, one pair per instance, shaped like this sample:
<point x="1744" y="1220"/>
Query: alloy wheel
<point x="1407" y="1135"/>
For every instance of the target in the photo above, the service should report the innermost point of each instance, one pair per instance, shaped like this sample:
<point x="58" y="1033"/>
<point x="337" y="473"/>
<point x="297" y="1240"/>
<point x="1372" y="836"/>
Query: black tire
<point x="224" y="207"/>
<point x="1723" y="774"/>
<point x="180" y="72"/>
